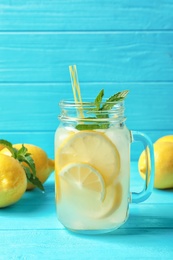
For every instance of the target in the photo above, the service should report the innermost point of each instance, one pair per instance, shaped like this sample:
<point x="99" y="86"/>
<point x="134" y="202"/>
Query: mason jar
<point x="92" y="167"/>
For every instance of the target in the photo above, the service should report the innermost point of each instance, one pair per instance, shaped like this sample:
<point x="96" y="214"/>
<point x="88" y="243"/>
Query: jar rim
<point x="87" y="102"/>
<point x="87" y="111"/>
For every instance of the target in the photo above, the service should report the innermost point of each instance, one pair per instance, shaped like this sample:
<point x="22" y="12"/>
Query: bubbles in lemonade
<point x="92" y="177"/>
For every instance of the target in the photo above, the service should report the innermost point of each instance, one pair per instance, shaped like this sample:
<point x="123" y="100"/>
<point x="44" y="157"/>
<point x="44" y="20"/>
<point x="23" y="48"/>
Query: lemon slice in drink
<point x="111" y="203"/>
<point x="84" y="177"/>
<point x="93" y="148"/>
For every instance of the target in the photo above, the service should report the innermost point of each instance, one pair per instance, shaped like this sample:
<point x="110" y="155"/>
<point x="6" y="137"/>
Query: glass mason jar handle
<point x="149" y="180"/>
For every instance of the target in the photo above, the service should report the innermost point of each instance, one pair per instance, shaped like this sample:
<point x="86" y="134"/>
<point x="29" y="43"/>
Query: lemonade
<point x="92" y="177"/>
<point x="92" y="162"/>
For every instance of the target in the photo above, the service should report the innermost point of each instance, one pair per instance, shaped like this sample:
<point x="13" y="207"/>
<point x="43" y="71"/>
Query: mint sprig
<point x="101" y="110"/>
<point x="110" y="102"/>
<point x="22" y="155"/>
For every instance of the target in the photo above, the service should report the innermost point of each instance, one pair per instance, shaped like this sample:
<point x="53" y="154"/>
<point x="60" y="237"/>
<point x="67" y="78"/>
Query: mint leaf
<point x="98" y="99"/>
<point x="24" y="156"/>
<point x="10" y="147"/>
<point x="92" y="126"/>
<point x="33" y="179"/>
<point x="29" y="161"/>
<point x="23" y="150"/>
<point x="87" y="126"/>
<point x="36" y="182"/>
<point x="110" y="102"/>
<point x="27" y="172"/>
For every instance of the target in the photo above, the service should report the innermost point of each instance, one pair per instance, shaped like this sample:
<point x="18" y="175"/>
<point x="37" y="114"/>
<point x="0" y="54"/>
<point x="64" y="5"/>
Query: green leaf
<point x="29" y="161"/>
<point x="27" y="172"/>
<point x="22" y="150"/>
<point x="98" y="99"/>
<point x="6" y="143"/>
<point x="36" y="182"/>
<point x="33" y="179"/>
<point x="110" y="102"/>
<point x="9" y="146"/>
<point x="92" y="126"/>
<point x="24" y="156"/>
<point x="87" y="126"/>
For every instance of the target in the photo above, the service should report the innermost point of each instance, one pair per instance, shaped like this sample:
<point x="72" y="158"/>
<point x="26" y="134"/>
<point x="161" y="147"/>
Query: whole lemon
<point x="166" y="138"/>
<point x="13" y="181"/>
<point x="163" y="154"/>
<point x="44" y="166"/>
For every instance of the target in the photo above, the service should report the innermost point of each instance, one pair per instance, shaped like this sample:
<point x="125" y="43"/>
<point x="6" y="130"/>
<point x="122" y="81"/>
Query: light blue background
<point x="116" y="45"/>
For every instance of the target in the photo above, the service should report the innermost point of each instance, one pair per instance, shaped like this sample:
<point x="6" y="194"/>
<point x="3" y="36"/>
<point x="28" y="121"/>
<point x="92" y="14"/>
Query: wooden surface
<point x="116" y="45"/>
<point x="30" y="230"/>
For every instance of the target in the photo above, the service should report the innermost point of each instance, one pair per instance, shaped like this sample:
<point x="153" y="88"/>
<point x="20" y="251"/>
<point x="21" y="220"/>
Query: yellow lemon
<point x="163" y="153"/>
<point x="93" y="148"/>
<point x="13" y="181"/>
<point x="44" y="166"/>
<point x="166" y="138"/>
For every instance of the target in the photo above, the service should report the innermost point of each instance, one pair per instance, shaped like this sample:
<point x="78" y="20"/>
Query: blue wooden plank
<point x="30" y="229"/>
<point x="54" y="244"/>
<point x="34" y="107"/>
<point x="100" y="57"/>
<point x="86" y="15"/>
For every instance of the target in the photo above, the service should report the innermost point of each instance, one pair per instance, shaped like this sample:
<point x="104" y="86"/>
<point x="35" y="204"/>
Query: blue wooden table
<point x="116" y="45"/>
<point x="30" y="230"/>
